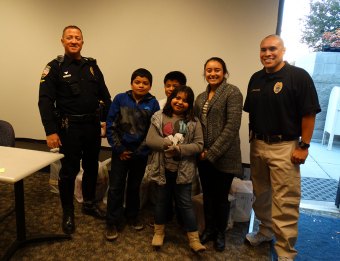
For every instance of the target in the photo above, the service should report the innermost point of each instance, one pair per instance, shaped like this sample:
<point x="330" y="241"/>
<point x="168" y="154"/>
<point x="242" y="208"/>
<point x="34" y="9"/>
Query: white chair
<point x="332" y="125"/>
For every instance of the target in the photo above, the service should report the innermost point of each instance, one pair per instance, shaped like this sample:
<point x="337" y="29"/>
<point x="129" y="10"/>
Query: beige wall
<point x="124" y="35"/>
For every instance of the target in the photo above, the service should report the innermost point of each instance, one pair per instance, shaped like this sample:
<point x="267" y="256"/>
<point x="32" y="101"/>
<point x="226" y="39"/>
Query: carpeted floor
<point x="319" y="237"/>
<point x="43" y="215"/>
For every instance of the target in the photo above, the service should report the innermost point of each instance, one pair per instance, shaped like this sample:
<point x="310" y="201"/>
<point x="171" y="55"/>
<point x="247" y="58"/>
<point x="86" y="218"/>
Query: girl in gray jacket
<point x="175" y="138"/>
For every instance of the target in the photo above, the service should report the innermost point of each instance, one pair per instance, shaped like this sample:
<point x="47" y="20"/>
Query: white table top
<point x="16" y="164"/>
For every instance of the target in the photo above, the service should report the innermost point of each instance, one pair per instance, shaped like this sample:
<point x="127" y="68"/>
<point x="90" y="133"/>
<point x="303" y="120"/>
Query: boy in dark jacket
<point x="127" y="124"/>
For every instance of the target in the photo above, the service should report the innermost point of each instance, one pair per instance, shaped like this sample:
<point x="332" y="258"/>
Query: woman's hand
<point x="203" y="155"/>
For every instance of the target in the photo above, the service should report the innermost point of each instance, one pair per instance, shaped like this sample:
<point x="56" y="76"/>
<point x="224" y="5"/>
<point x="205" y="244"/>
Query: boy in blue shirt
<point x="127" y="124"/>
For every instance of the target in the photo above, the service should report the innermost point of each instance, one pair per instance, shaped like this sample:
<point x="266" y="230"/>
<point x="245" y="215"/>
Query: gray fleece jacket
<point x="191" y="146"/>
<point x="221" y="127"/>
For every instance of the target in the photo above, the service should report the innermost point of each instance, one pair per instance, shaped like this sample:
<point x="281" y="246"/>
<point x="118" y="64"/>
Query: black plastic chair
<point x="7" y="136"/>
<point x="7" y="139"/>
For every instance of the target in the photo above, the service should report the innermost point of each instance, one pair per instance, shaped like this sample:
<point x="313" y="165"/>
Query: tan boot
<point x="194" y="242"/>
<point x="158" y="237"/>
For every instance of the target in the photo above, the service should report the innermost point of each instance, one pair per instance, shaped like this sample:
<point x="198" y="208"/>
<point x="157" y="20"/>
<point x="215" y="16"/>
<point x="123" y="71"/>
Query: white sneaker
<point x="256" y="238"/>
<point x="284" y="258"/>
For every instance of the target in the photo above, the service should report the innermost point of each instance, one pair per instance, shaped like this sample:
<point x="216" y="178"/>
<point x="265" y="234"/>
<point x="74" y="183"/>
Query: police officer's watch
<point x="303" y="145"/>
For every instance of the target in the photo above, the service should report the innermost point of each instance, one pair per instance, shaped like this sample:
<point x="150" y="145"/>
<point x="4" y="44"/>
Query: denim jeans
<point x="129" y="174"/>
<point x="182" y="193"/>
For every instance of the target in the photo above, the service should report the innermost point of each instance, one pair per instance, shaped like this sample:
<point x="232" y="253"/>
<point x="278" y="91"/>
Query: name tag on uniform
<point x="66" y="75"/>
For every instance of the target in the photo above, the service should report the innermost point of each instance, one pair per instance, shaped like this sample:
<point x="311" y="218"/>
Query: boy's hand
<point x="103" y="129"/>
<point x="125" y="155"/>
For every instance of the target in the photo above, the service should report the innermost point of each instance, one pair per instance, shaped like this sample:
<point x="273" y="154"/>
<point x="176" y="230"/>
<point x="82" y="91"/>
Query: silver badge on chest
<point x="278" y="87"/>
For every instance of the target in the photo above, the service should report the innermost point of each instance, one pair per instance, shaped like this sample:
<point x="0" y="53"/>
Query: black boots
<point x="217" y="236"/>
<point x="68" y="225"/>
<point x="66" y="190"/>
<point x="219" y="243"/>
<point x="93" y="209"/>
<point x="207" y="235"/>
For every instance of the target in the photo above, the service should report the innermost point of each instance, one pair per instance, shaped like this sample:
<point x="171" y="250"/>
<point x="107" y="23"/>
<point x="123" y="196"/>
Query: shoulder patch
<point x="90" y="59"/>
<point x="45" y="71"/>
<point x="60" y="58"/>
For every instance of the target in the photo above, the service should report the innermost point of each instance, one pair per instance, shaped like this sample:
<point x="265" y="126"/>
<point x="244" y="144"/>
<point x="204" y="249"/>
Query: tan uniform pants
<point x="277" y="188"/>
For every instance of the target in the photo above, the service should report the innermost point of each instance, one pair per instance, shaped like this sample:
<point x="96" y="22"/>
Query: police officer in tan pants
<point x="282" y="103"/>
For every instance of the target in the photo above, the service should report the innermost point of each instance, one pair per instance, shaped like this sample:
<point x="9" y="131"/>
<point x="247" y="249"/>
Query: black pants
<point x="80" y="141"/>
<point x="215" y="186"/>
<point x="124" y="174"/>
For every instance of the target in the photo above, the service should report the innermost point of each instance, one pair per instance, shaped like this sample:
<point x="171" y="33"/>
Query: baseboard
<point x="30" y="140"/>
<point x="44" y="142"/>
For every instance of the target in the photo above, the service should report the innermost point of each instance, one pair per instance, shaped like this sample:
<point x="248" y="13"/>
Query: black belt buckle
<point x="81" y="118"/>
<point x="269" y="138"/>
<point x="273" y="138"/>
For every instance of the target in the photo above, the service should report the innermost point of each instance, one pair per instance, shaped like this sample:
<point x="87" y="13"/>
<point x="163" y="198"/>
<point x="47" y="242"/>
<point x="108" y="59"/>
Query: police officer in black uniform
<point x="73" y="101"/>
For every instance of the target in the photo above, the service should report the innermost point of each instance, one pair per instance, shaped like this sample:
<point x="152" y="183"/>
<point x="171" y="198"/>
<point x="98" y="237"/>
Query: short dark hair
<point x="219" y="60"/>
<point x="189" y="114"/>
<point x="141" y="72"/>
<point x="176" y="75"/>
<point x="72" y="27"/>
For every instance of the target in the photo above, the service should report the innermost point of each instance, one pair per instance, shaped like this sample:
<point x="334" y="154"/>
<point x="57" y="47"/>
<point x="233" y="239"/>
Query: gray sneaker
<point x="256" y="238"/>
<point x="284" y="258"/>
<point x="111" y="233"/>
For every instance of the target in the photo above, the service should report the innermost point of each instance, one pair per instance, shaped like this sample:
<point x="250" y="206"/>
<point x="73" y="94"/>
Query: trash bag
<point x="102" y="182"/>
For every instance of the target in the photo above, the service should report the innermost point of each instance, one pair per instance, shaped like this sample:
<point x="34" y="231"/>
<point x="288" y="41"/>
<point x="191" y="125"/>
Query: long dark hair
<point x="189" y="113"/>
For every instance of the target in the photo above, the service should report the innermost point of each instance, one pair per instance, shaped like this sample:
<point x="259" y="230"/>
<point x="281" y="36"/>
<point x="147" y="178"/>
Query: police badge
<point x="278" y="87"/>
<point x="91" y="70"/>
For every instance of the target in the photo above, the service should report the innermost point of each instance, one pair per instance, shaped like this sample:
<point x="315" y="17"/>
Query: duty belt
<point x="81" y="117"/>
<point x="273" y="138"/>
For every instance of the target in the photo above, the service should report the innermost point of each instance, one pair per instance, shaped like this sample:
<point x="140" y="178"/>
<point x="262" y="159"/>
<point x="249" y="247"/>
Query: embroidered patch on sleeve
<point x="45" y="71"/>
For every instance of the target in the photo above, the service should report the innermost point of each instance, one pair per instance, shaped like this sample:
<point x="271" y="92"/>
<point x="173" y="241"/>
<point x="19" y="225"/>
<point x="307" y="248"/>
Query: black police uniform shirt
<point x="71" y="87"/>
<point x="276" y="102"/>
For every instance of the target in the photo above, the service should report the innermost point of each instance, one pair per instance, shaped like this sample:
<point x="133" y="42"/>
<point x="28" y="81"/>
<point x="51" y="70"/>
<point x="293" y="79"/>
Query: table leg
<point x="21" y="239"/>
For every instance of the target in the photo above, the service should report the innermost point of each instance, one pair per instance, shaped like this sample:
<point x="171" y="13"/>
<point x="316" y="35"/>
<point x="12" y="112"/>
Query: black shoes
<point x="217" y="237"/>
<point x="219" y="243"/>
<point x="111" y="233"/>
<point x="68" y="224"/>
<point x="93" y="210"/>
<point x="207" y="235"/>
<point x="136" y="224"/>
